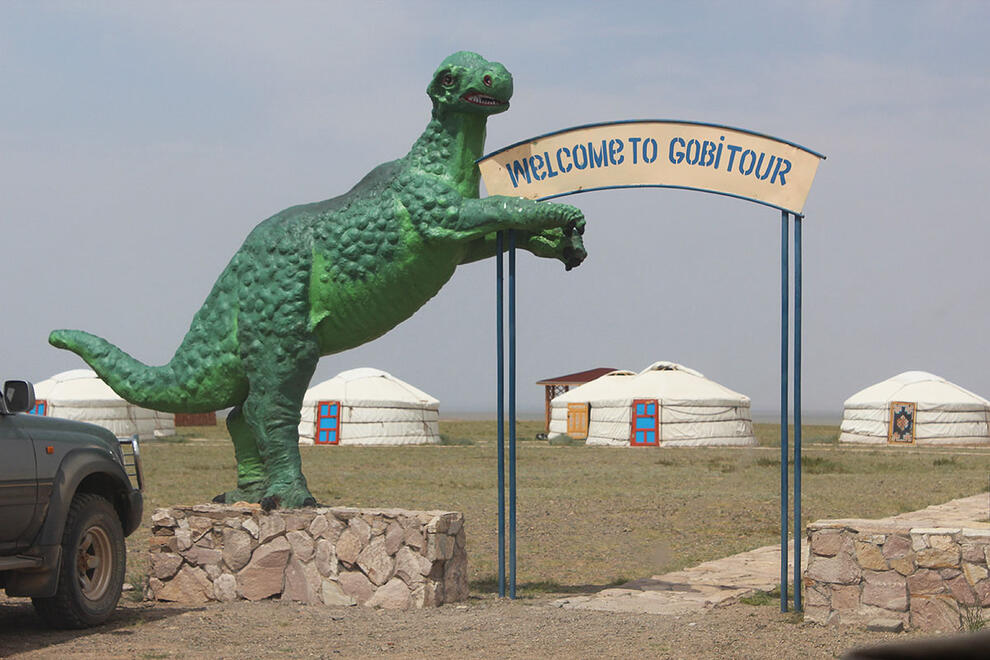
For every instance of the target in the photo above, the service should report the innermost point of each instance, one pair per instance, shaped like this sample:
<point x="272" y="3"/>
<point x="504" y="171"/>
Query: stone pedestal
<point x="926" y="578"/>
<point x="389" y="558"/>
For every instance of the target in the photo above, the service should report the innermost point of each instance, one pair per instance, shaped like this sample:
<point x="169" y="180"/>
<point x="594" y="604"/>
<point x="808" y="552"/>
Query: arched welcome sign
<point x="655" y="153"/>
<point x="667" y="154"/>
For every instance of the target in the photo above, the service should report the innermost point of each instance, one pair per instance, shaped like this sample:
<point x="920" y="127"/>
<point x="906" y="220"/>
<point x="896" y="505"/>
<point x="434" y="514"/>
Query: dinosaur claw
<point x="269" y="503"/>
<point x="220" y="499"/>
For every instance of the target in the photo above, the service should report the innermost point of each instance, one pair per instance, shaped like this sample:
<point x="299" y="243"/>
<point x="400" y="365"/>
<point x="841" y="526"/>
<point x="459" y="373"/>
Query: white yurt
<point x="368" y="407"/>
<point x="916" y="407"/>
<point x="666" y="404"/>
<point x="80" y="394"/>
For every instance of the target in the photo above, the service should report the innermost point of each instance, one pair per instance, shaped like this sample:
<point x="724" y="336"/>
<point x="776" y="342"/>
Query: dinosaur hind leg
<point x="278" y="377"/>
<point x="250" y="468"/>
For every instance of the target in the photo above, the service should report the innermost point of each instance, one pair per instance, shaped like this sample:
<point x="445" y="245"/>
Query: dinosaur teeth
<point x="481" y="99"/>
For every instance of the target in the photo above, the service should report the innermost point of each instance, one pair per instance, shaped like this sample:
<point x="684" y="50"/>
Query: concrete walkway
<point x="725" y="581"/>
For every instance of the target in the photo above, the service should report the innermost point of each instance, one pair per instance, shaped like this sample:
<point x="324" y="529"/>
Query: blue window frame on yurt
<point x="643" y="431"/>
<point x="40" y="408"/>
<point x="327" y="423"/>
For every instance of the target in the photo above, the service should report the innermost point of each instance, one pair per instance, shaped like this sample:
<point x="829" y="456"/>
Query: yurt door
<point x="643" y="426"/>
<point x="577" y="420"/>
<point x="327" y="423"/>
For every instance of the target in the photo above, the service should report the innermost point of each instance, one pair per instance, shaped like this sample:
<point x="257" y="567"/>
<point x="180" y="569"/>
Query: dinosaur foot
<point x="246" y="493"/>
<point x="287" y="496"/>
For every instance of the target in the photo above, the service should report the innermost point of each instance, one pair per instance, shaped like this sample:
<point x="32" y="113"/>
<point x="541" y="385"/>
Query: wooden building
<point x="560" y="384"/>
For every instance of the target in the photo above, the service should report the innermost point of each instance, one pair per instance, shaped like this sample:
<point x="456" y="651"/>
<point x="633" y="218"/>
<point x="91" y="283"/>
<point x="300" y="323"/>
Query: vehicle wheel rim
<point x="94" y="563"/>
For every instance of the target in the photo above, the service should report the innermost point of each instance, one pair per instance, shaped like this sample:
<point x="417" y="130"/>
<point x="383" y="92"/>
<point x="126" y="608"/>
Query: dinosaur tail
<point x="205" y="374"/>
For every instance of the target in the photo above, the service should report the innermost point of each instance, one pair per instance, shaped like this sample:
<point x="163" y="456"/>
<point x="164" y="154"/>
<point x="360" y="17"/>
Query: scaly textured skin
<point x="321" y="278"/>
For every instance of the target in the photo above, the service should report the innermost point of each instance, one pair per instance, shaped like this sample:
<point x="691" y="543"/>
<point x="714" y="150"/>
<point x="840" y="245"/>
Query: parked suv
<point x="66" y="503"/>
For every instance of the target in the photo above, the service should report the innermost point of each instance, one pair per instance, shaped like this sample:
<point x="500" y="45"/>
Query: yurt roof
<point x="916" y="386"/>
<point x="365" y="386"/>
<point x="669" y="382"/>
<point x="77" y="386"/>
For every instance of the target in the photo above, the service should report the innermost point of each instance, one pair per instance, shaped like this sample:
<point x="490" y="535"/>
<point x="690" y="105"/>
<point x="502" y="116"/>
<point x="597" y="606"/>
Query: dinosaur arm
<point x="479" y="217"/>
<point x="549" y="244"/>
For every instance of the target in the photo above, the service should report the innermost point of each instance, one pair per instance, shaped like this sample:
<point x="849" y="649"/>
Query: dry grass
<point x="589" y="516"/>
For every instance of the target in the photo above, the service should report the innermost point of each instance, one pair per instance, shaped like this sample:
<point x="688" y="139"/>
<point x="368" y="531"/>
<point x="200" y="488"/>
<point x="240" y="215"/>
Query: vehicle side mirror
<point x="18" y="395"/>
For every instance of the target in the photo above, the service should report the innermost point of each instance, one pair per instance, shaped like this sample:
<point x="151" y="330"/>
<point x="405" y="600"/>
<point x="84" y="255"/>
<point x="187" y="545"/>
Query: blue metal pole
<point x="784" y="279"/>
<point x="797" y="413"/>
<point x="512" y="414"/>
<point x="500" y="358"/>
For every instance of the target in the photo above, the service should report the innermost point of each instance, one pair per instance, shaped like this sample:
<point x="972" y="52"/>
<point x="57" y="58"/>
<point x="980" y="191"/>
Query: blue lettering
<point x="692" y="160"/>
<point x="766" y="173"/>
<point x="679" y="156"/>
<point x="635" y="146"/>
<point x="718" y="156"/>
<point x="598" y="159"/>
<point x="742" y="159"/>
<point x="550" y="171"/>
<point x="536" y="165"/>
<point x="518" y="169"/>
<point x="560" y="161"/>
<point x="583" y="161"/>
<point x="781" y="172"/>
<point x="732" y="156"/>
<point x="615" y="149"/>
<point x="647" y="143"/>
<point x="707" y="154"/>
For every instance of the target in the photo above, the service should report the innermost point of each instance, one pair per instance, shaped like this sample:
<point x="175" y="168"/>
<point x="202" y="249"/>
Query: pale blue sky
<point x="140" y="142"/>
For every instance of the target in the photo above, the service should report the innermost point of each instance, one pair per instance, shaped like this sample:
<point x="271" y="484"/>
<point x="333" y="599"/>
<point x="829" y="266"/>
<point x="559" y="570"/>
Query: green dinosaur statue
<point x="321" y="278"/>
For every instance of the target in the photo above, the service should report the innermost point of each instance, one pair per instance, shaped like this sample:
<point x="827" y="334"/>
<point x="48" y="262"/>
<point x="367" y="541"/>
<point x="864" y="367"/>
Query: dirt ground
<point x="482" y="627"/>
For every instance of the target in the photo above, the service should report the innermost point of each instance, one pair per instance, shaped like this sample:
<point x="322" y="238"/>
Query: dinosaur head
<point x="467" y="83"/>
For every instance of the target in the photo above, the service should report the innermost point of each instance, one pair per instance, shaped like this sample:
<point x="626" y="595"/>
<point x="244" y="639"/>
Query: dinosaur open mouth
<point x="481" y="99"/>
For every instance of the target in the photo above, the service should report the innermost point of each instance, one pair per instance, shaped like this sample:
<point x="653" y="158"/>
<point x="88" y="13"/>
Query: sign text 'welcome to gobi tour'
<point x="655" y="153"/>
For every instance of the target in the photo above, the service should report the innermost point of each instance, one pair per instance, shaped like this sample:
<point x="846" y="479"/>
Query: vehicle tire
<point x="94" y="559"/>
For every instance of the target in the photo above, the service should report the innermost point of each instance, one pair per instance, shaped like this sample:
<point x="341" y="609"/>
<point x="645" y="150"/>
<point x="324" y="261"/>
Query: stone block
<point x="349" y="546"/>
<point x="165" y="564"/>
<point x="455" y="578"/>
<point x="393" y="537"/>
<point x="414" y="538"/>
<point x="302" y="545"/>
<point x="356" y="585"/>
<point x="885" y="625"/>
<point x="361" y="529"/>
<point x="263" y="576"/>
<point x="318" y="525"/>
<point x="325" y="558"/>
<point x="411" y="566"/>
<point x="826" y="543"/>
<point x="237" y="547"/>
<point x="841" y="569"/>
<point x="394" y="595"/>
<point x="961" y="590"/>
<point x="887" y="589"/>
<point x="162" y="518"/>
<point x="974" y="572"/>
<point x="270" y="526"/>
<point x="198" y="556"/>
<point x="297" y="521"/>
<point x="897" y="547"/>
<point x="925" y="582"/>
<point x="303" y="583"/>
<point x="332" y="594"/>
<point x="190" y="585"/>
<point x="251" y="527"/>
<point x="904" y="566"/>
<point x="183" y="538"/>
<point x="845" y="598"/>
<point x="938" y="557"/>
<point x="934" y="614"/>
<point x="870" y="557"/>
<point x="439" y="546"/>
<point x="982" y="589"/>
<point x="375" y="561"/>
<point x="225" y="588"/>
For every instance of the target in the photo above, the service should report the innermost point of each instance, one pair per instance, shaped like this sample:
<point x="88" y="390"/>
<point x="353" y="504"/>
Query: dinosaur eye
<point x="487" y="80"/>
<point x="447" y="80"/>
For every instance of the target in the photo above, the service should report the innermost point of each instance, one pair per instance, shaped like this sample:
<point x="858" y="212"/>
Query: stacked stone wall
<point x="924" y="578"/>
<point x="389" y="558"/>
